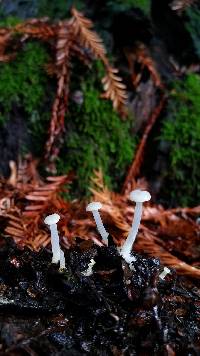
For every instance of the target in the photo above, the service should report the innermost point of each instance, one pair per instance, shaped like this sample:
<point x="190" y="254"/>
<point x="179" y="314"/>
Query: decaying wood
<point x="135" y="167"/>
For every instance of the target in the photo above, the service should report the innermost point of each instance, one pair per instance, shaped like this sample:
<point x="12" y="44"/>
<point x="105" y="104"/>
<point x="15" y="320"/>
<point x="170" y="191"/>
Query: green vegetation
<point x="22" y="88"/>
<point x="96" y="137"/>
<point x="61" y="8"/>
<point x="58" y="9"/>
<point x="22" y="81"/>
<point x="9" y="21"/>
<point x="144" y="5"/>
<point x="182" y="131"/>
<point x="95" y="134"/>
<point x="121" y="5"/>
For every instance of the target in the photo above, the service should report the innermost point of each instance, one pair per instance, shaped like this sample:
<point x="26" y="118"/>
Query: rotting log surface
<point x="115" y="311"/>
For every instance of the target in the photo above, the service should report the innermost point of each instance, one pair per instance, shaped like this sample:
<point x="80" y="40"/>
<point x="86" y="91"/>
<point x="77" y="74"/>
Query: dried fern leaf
<point x="42" y="196"/>
<point x="65" y="37"/>
<point x="114" y="89"/>
<point x="36" y="28"/>
<point x="145" y="243"/>
<point x="88" y="38"/>
<point x="141" y="56"/>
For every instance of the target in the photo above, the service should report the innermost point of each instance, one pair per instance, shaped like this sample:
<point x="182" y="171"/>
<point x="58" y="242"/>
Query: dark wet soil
<point x="114" y="311"/>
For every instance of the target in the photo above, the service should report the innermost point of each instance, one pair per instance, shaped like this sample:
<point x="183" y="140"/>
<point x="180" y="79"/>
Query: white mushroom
<point x="94" y="208"/>
<point x="164" y="273"/>
<point x="139" y="197"/>
<point x="88" y="272"/>
<point x="52" y="221"/>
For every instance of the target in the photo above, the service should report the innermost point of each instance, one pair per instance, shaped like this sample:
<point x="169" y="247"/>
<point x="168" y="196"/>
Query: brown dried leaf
<point x="141" y="56"/>
<point x="115" y="90"/>
<point x="88" y="38"/>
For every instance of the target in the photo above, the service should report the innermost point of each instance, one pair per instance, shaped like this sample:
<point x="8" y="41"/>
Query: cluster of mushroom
<point x="138" y="196"/>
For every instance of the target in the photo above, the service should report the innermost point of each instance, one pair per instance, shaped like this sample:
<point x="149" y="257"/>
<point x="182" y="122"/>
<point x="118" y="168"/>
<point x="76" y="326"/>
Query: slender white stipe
<point x="164" y="273"/>
<point x="94" y="208"/>
<point x="89" y="270"/>
<point x="139" y="197"/>
<point x="51" y="221"/>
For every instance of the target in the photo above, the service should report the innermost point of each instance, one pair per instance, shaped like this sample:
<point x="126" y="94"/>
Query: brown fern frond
<point x="141" y="56"/>
<point x="15" y="228"/>
<point x="99" y="189"/>
<point x="115" y="90"/>
<point x="88" y="38"/>
<point x="31" y="199"/>
<point x="64" y="45"/>
<point x="36" y="28"/>
<point x="43" y="196"/>
<point x="146" y="243"/>
<point x="98" y="181"/>
<point x="26" y="232"/>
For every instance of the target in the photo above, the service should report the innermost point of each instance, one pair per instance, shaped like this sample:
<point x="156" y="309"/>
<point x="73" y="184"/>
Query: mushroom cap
<point x="140" y="196"/>
<point x="95" y="205"/>
<point x="52" y="219"/>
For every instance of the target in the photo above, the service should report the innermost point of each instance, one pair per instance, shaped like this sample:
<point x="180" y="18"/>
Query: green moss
<point x="9" y="21"/>
<point x="22" y="87"/>
<point x="22" y="80"/>
<point x="182" y="131"/>
<point x="58" y="9"/>
<point x="144" y="5"/>
<point x="96" y="137"/>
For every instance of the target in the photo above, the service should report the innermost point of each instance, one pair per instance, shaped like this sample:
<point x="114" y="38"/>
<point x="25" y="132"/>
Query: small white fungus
<point x="94" y="208"/>
<point x="164" y="273"/>
<point x="139" y="197"/>
<point x="88" y="272"/>
<point x="52" y="221"/>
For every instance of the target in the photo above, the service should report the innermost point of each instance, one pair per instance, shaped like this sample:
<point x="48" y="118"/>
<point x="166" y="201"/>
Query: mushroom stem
<point x="62" y="260"/>
<point x="55" y="243"/>
<point x="127" y="246"/>
<point x="164" y="273"/>
<point x="88" y="272"/>
<point x="100" y="227"/>
<point x="51" y="221"/>
<point x="139" y="197"/>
